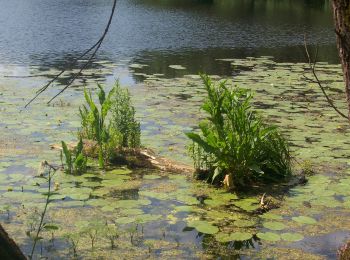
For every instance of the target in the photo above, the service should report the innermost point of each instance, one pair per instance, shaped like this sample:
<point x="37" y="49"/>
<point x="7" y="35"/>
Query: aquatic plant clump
<point x="123" y="118"/>
<point x="110" y="132"/>
<point x="234" y="145"/>
<point x="75" y="161"/>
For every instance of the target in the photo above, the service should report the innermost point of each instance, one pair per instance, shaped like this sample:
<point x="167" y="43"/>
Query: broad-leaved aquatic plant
<point x="75" y="161"/>
<point x="234" y="144"/>
<point x="120" y="129"/>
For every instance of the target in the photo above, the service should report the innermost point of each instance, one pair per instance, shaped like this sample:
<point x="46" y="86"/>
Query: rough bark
<point x="341" y="14"/>
<point x="8" y="248"/>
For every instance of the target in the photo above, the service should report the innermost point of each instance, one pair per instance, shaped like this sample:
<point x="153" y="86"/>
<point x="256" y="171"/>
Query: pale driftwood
<point x="144" y="157"/>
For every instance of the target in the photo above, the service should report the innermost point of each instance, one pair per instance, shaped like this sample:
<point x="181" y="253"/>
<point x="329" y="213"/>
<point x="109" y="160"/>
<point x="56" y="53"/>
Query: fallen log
<point x="134" y="158"/>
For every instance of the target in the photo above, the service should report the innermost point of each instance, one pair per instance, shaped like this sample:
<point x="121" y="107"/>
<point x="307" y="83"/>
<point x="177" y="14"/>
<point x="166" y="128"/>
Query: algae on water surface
<point x="163" y="214"/>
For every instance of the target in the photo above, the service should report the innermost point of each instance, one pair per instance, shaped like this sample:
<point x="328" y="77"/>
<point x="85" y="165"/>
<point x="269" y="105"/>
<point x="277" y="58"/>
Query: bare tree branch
<point x="312" y="66"/>
<point x="93" y="48"/>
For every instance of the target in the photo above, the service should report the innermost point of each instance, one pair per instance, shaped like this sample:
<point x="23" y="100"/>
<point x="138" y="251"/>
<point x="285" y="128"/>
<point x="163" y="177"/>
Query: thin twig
<point x="312" y="66"/>
<point x="95" y="47"/>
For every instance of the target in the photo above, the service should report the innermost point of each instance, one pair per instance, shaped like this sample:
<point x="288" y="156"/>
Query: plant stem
<point x="42" y="217"/>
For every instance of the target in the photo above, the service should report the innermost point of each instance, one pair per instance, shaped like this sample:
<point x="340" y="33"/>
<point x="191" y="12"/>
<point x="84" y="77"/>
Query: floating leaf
<point x="131" y="211"/>
<point x="304" y="220"/>
<point x="124" y="220"/>
<point x="117" y="172"/>
<point x="177" y="67"/>
<point x="156" y="195"/>
<point x="244" y="223"/>
<point x="223" y="237"/>
<point x="269" y="236"/>
<point x="215" y="203"/>
<point x="144" y="218"/>
<point x="274" y="225"/>
<point x="151" y="177"/>
<point x="185" y="209"/>
<point x="240" y="236"/>
<point x="292" y="237"/>
<point x="203" y="227"/>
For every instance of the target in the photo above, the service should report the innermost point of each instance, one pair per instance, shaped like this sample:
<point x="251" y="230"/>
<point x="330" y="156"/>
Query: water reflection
<point x="208" y="60"/>
<point x="204" y="27"/>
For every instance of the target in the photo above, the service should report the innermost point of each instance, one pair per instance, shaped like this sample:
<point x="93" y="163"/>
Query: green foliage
<point x="93" y="121"/>
<point x="123" y="118"/>
<point x="234" y="140"/>
<point x="111" y="232"/>
<point x="119" y="130"/>
<point x="75" y="160"/>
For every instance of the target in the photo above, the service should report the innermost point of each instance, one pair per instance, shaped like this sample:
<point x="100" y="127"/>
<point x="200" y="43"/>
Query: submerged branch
<point x="93" y="48"/>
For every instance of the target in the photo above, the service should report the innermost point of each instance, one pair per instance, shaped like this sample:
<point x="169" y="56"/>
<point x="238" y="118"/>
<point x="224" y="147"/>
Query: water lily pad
<point x="269" y="236"/>
<point x="223" y="237"/>
<point x="240" y="236"/>
<point x="124" y="220"/>
<point x="177" y="67"/>
<point x="292" y="237"/>
<point x="91" y="184"/>
<point x="112" y="183"/>
<point x="73" y="203"/>
<point x="151" y="177"/>
<point x="203" y="226"/>
<point x="187" y="199"/>
<point x="117" y="172"/>
<point x="137" y="66"/>
<point x="304" y="220"/>
<point x="247" y="204"/>
<point x="131" y="211"/>
<point x="144" y="218"/>
<point x="16" y="177"/>
<point x="244" y="223"/>
<point x="108" y="208"/>
<point x="215" y="203"/>
<point x="274" y="225"/>
<point x="185" y="209"/>
<point x="156" y="195"/>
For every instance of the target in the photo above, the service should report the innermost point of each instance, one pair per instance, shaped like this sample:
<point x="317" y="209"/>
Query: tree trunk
<point x="341" y="13"/>
<point x="8" y="248"/>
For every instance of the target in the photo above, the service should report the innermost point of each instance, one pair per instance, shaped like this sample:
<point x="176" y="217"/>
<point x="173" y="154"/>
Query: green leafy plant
<point x="118" y="130"/>
<point x="234" y="144"/>
<point x="112" y="233"/>
<point x="73" y="240"/>
<point x="75" y="160"/>
<point x="94" y="123"/>
<point x="123" y="118"/>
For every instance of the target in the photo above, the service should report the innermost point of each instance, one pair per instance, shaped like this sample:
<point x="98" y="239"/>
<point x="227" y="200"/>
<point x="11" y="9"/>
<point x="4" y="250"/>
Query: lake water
<point x="193" y="33"/>
<point x="38" y="38"/>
